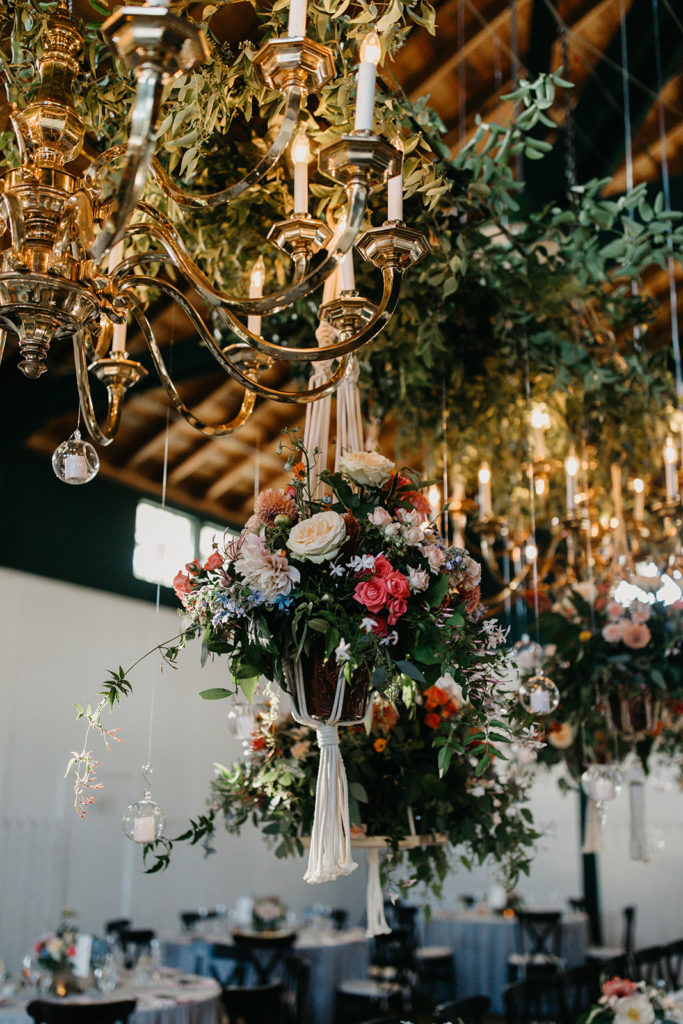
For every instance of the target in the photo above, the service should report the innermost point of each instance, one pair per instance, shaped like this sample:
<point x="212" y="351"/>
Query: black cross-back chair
<point x="46" y="1012"/>
<point x="649" y="965"/>
<point x="673" y="958"/>
<point x="539" y="940"/>
<point x="229" y="965"/>
<point x="135" y="942"/>
<point x="535" y="998"/>
<point x="265" y="954"/>
<point x="580" y="989"/>
<point x="260" y="1004"/>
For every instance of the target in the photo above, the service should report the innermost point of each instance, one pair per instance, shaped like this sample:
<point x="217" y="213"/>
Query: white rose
<point x="634" y="1010"/>
<point x="418" y="579"/>
<point x="380" y="517"/>
<point x="319" y="538"/>
<point x="453" y="689"/>
<point x="412" y="535"/>
<point x="368" y="469"/>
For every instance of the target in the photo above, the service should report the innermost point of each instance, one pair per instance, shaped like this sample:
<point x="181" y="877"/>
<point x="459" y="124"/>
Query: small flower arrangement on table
<point x="629" y="1002"/>
<point x="56" y="952"/>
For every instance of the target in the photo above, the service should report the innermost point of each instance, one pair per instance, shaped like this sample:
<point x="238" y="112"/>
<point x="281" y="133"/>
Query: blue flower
<point x="283" y="601"/>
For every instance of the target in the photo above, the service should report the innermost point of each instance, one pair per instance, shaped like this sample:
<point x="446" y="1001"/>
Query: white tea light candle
<point x="301" y="154"/>
<point x="395" y="189"/>
<point x="258" y="276"/>
<point x="296" y="24"/>
<point x="485" y="504"/>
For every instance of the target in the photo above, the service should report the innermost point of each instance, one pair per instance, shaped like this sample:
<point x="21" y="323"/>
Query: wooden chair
<point x="363" y="998"/>
<point x="229" y="965"/>
<point x="618" y="967"/>
<point x="391" y="957"/>
<point x="257" y="1005"/>
<point x="628" y="940"/>
<point x="339" y="916"/>
<point x="536" y="998"/>
<point x="649" y="965"/>
<point x="471" y="1011"/>
<point x="673" y="958"/>
<point x="136" y="942"/>
<point x="265" y="954"/>
<point x="45" y="1012"/>
<point x="435" y="975"/>
<point x="539" y="944"/>
<point x="296" y="975"/>
<point x="579" y="989"/>
<point x="189" y="918"/>
<point x="118" y="925"/>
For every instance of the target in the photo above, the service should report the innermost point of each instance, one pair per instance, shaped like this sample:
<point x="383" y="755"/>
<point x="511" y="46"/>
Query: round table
<point x="334" y="957"/>
<point x="172" y="999"/>
<point x="482" y="943"/>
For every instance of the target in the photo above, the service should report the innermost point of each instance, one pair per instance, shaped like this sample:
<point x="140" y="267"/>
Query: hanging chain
<point x="569" y="125"/>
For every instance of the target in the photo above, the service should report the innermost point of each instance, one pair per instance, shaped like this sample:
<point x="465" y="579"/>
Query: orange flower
<point x="379" y="744"/>
<point x="432" y="720"/>
<point x="299" y="471"/>
<point x="435" y="697"/>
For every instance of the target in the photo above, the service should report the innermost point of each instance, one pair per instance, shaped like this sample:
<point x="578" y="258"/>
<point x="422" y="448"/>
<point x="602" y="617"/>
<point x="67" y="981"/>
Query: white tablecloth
<point x="334" y="957"/>
<point x="481" y="946"/>
<point x="170" y="1000"/>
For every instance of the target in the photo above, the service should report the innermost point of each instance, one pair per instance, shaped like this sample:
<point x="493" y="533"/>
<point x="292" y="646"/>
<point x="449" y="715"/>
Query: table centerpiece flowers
<point x="629" y="1002"/>
<point x="55" y="954"/>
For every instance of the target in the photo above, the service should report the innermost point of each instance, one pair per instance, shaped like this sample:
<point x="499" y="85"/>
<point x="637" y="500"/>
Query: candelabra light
<point x="65" y="274"/>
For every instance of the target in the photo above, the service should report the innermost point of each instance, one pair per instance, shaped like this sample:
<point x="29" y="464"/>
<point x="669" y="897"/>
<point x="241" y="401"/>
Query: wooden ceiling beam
<point x="231" y="445"/>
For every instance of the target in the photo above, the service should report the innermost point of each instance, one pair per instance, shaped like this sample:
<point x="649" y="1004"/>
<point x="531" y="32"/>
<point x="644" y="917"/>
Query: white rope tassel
<point x="377" y="922"/>
<point x="349" y="419"/>
<point x="594" y="839"/>
<point x="317" y="426"/>
<point x="329" y="856"/>
<point x="636" y="798"/>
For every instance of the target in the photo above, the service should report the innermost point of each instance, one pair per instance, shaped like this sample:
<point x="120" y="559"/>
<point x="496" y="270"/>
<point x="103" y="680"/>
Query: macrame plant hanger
<point x="330" y="846"/>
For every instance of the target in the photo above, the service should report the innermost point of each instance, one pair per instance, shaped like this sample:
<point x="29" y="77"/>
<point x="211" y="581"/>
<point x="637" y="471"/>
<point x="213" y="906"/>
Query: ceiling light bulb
<point x="258" y="274"/>
<point x="371" y="49"/>
<point x="301" y="150"/>
<point x="484" y="475"/>
<point x="540" y="486"/>
<point x="572" y="465"/>
<point x="638" y="485"/>
<point x="531" y="552"/>
<point x="540" y="419"/>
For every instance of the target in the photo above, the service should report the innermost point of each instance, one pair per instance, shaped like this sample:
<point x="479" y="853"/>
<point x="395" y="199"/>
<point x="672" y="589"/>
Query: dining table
<point x="481" y="943"/>
<point x="334" y="956"/>
<point x="171" y="997"/>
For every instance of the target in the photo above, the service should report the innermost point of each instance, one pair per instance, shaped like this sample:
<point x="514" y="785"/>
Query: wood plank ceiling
<point x="480" y="48"/>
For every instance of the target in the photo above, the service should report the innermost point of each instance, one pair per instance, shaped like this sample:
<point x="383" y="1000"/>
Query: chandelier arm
<point x="267" y="304"/>
<point x="106" y="433"/>
<point x="294" y="95"/>
<point x="251" y="384"/>
<point x="139" y="154"/>
<point x="3" y="339"/>
<point x="14" y="219"/>
<point x="77" y="208"/>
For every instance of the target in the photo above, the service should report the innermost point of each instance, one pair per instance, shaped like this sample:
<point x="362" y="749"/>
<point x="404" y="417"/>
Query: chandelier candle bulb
<point x="670" y="469"/>
<point x="346" y="273"/>
<point x="144" y="830"/>
<point x="296" y="25"/>
<point x="118" y="343"/>
<point x="540" y="423"/>
<point x="571" y="469"/>
<point x="370" y="53"/>
<point x="639" y="500"/>
<point x="258" y="276"/>
<point x="301" y="154"/>
<point x="485" y="503"/>
<point x="395" y="187"/>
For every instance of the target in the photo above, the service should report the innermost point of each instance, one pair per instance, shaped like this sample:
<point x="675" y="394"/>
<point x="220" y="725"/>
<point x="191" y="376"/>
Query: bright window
<point x="166" y="540"/>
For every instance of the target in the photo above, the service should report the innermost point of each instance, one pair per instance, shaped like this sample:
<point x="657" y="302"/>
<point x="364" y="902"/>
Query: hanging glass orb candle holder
<point x="144" y="821"/>
<point x="527" y="654"/>
<point x="601" y="783"/>
<point x="539" y="695"/>
<point x="75" y="461"/>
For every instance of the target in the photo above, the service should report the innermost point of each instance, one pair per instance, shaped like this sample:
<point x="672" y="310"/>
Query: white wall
<point x="56" y="643"/>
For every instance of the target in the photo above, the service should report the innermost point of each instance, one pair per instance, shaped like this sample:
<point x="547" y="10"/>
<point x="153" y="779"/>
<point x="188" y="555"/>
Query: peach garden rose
<point x="319" y="538"/>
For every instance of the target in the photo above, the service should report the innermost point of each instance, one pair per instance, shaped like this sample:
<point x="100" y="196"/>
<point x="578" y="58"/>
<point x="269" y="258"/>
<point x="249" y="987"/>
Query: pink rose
<point x="214" y="561"/>
<point x="618" y="987"/>
<point x="397" y="585"/>
<point x="635" y="635"/>
<point x="614" y="610"/>
<point x="383" y="567"/>
<point x="380" y="518"/>
<point x="380" y="628"/>
<point x="397" y="607"/>
<point x="435" y="557"/>
<point x="612" y="632"/>
<point x="372" y="593"/>
<point x="181" y="584"/>
<point x="640" y="612"/>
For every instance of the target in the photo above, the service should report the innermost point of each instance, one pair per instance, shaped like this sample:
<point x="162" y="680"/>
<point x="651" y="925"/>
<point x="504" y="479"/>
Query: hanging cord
<point x="462" y="70"/>
<point x="532" y="485"/>
<point x="569" y="125"/>
<point x="666" y="190"/>
<point x="628" y="141"/>
<point x="444" y="455"/>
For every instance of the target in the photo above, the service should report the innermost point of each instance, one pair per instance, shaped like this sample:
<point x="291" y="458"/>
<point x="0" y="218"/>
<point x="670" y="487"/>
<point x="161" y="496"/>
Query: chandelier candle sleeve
<point x="639" y="499"/>
<point x="670" y="469"/>
<point x="485" y="504"/>
<point x="347" y="275"/>
<point x="301" y="154"/>
<point x="395" y="189"/>
<point x="118" y="343"/>
<point x="370" y="53"/>
<point x="256" y="281"/>
<point x="296" y="25"/>
<point x="571" y="469"/>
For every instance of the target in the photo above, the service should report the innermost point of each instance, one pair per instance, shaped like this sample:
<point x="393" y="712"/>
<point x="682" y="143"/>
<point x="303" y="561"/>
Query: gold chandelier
<point x="63" y="273"/>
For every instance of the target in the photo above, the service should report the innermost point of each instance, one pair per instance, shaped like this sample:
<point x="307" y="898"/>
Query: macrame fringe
<point x="594" y="841"/>
<point x="329" y="855"/>
<point x="636" y="796"/>
<point x="377" y="922"/>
